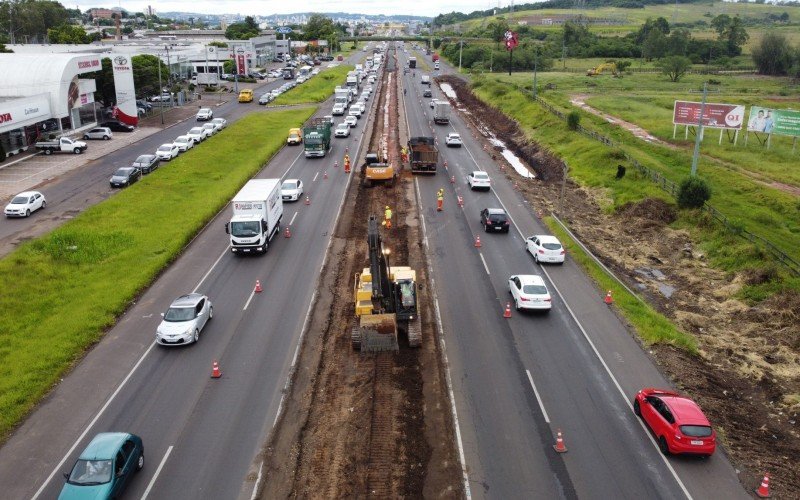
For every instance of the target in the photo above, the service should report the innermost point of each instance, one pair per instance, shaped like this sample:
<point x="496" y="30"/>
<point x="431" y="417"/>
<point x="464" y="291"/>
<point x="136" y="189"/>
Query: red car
<point x="677" y="422"/>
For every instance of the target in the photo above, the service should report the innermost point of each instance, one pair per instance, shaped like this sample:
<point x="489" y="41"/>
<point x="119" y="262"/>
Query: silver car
<point x="103" y="133"/>
<point x="185" y="318"/>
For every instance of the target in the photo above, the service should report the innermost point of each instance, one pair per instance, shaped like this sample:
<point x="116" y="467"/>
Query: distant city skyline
<point x="267" y="8"/>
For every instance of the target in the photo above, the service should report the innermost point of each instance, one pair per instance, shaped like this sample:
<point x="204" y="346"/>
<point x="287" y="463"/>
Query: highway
<point x="201" y="436"/>
<point x="518" y="381"/>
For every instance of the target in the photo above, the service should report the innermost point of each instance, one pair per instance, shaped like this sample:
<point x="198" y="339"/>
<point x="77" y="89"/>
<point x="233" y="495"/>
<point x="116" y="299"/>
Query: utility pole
<point x="169" y="67"/>
<point x="564" y="51"/>
<point x="699" y="136"/>
<point x="535" y="63"/>
<point x="563" y="185"/>
<point x="161" y="91"/>
<point x="460" y="49"/>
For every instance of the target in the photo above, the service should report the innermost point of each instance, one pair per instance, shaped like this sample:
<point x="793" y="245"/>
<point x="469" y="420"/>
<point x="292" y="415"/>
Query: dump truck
<point x="423" y="155"/>
<point x="384" y="296"/>
<point x="257" y="213"/>
<point x="412" y="62"/>
<point x="441" y="112"/>
<point x="317" y="137"/>
<point x="376" y="170"/>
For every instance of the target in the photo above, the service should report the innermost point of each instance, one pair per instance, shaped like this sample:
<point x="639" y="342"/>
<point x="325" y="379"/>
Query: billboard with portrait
<point x="774" y="121"/>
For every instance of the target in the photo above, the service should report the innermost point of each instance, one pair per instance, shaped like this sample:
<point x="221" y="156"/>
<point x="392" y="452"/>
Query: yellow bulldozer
<point x="610" y="66"/>
<point x="384" y="295"/>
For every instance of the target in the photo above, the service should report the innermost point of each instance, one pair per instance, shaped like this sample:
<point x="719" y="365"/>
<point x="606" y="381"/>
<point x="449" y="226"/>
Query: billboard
<point x="730" y="116"/>
<point x="126" y="109"/>
<point x="774" y="121"/>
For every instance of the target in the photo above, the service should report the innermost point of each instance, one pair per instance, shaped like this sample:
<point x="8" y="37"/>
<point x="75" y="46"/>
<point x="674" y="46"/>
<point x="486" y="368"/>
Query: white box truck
<point x="441" y="112"/>
<point x="257" y="212"/>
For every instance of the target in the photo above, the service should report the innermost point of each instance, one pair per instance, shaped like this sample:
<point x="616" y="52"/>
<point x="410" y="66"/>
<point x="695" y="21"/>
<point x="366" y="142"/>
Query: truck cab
<point x="257" y="213"/>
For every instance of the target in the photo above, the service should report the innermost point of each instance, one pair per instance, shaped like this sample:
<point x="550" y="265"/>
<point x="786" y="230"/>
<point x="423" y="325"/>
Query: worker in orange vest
<point x="347" y="163"/>
<point x="440" y="200"/>
<point x="387" y="217"/>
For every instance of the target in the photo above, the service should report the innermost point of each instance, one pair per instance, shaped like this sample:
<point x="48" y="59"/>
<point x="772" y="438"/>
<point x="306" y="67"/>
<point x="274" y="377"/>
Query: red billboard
<point x="240" y="66"/>
<point x="715" y="115"/>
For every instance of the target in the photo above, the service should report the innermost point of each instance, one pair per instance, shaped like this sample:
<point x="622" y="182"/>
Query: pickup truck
<point x="62" y="145"/>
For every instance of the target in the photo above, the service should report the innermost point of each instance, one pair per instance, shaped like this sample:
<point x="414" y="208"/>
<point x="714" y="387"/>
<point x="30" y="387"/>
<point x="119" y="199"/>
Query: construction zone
<point x="367" y="413"/>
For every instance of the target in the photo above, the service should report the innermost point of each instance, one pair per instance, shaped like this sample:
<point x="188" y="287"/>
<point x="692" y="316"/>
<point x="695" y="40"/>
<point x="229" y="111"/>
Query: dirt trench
<point x="367" y="425"/>
<point x="747" y="374"/>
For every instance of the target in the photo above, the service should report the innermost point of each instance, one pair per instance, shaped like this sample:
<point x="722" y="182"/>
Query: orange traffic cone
<point x="335" y="164"/>
<point x="439" y="204"/>
<point x="308" y="200"/>
<point x="460" y="201"/>
<point x="258" y="288"/>
<point x="452" y="179"/>
<point x="445" y="164"/>
<point x="559" y="446"/>
<point x="477" y="242"/>
<point x="608" y="300"/>
<point x="325" y="174"/>
<point x="215" y="373"/>
<point x="763" y="490"/>
<point x="507" y="312"/>
<point x="287" y="233"/>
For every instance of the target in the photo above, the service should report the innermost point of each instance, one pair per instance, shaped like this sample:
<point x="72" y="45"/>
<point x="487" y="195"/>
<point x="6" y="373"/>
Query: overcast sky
<point x="428" y="8"/>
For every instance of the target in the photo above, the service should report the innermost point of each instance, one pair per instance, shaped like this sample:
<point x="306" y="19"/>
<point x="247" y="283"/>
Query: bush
<point x="573" y="120"/>
<point x="693" y="193"/>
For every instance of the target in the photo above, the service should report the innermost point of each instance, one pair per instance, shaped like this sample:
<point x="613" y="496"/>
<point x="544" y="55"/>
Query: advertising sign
<point x="24" y="111"/>
<point x="774" y="121"/>
<point x="511" y="40"/>
<point x="126" y="110"/>
<point x="728" y="116"/>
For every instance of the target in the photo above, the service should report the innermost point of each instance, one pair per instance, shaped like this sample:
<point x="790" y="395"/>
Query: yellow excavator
<point x="610" y="66"/>
<point x="384" y="295"/>
<point x="377" y="170"/>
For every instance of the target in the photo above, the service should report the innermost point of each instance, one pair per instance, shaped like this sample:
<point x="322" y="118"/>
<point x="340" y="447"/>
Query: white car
<point x="205" y="114"/>
<point x="342" y="130"/>
<point x="103" y="133"/>
<point x="329" y="118"/>
<point x="354" y="111"/>
<point x="23" y="204"/>
<point x="184" y="143"/>
<point x="212" y="129"/>
<point x="365" y="96"/>
<point x="315" y="71"/>
<point x="371" y="79"/>
<point x="301" y="79"/>
<point x="351" y="120"/>
<point x="185" y="318"/>
<point x="167" y="152"/>
<point x="338" y="110"/>
<point x="545" y="248"/>
<point x="529" y="292"/>
<point x="453" y="139"/>
<point x="198" y="134"/>
<point x="433" y="102"/>
<point x="265" y="98"/>
<point x="291" y="189"/>
<point x="220" y="123"/>
<point x="479" y="180"/>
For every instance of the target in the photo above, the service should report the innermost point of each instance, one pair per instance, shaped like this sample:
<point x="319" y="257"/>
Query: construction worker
<point x="440" y="200"/>
<point x="387" y="217"/>
<point x="403" y="154"/>
<point x="347" y="163"/>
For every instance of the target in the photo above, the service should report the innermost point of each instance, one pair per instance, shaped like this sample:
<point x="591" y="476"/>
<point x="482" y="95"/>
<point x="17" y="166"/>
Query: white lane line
<point x="448" y="378"/>
<point x="539" y="399"/>
<point x="485" y="266"/>
<point x="249" y="299"/>
<point x="91" y="424"/>
<point x="293" y="217"/>
<point x="258" y="480"/>
<point x="315" y="177"/>
<point x="158" y="471"/>
<point x="214" y="265"/>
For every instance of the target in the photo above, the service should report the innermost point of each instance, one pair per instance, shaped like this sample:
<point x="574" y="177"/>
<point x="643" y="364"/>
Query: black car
<point x="144" y="104"/>
<point x="427" y="93"/>
<point x="147" y="163"/>
<point x="117" y="126"/>
<point x="277" y="59"/>
<point x="494" y="219"/>
<point x="125" y="176"/>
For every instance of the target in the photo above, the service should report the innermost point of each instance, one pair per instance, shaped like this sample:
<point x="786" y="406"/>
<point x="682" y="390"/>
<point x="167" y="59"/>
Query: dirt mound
<point x="652" y="209"/>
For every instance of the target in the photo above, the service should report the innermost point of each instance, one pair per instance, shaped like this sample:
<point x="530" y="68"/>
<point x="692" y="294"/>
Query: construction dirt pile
<point x="746" y="376"/>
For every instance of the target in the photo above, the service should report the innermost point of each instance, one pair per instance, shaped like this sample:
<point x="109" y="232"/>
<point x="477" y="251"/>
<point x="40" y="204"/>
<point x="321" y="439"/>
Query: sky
<point x="429" y="8"/>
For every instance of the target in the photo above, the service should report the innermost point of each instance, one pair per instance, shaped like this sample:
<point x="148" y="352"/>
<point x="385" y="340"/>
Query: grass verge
<point x="62" y="291"/>
<point x="317" y="89"/>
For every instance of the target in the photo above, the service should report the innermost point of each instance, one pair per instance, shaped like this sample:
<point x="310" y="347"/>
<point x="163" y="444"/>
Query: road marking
<point x="258" y="480"/>
<point x="91" y="424"/>
<point x="293" y="217"/>
<point x="209" y="270"/>
<point x="315" y="177"/>
<point x="249" y="299"/>
<point x="158" y="471"/>
<point x="484" y="264"/>
<point x="539" y="399"/>
<point x="448" y="379"/>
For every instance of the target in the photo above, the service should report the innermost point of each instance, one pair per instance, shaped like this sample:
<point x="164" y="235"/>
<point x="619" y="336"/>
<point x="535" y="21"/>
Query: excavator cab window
<point x="407" y="293"/>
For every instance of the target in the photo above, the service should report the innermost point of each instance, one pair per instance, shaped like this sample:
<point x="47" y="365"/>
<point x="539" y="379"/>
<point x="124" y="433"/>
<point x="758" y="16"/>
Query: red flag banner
<point x="511" y="40"/>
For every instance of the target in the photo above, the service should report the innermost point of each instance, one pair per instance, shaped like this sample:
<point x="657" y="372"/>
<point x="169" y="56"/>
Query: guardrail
<point x="672" y="188"/>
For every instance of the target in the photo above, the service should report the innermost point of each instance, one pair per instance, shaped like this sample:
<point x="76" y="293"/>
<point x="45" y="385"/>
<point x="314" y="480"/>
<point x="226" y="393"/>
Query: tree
<point x="773" y="55"/>
<point x="67" y="33"/>
<point x="674" y="66"/>
<point x="243" y="31"/>
<point x="654" y="46"/>
<point x="678" y="42"/>
<point x="730" y="31"/>
<point x="145" y="74"/>
<point x="660" y="24"/>
<point x="28" y="20"/>
<point x="497" y="30"/>
<point x="221" y="45"/>
<point x="318" y="27"/>
<point x="693" y="192"/>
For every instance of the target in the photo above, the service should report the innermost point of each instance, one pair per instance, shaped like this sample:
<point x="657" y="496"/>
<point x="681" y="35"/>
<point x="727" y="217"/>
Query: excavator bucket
<point x="376" y="333"/>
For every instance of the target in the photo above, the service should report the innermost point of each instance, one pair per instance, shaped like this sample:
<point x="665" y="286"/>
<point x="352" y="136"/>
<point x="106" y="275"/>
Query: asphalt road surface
<point x="201" y="435"/>
<point x="518" y="381"/>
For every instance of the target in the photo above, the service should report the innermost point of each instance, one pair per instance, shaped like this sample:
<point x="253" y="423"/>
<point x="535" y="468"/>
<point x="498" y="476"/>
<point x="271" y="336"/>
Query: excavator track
<point x="414" y="329"/>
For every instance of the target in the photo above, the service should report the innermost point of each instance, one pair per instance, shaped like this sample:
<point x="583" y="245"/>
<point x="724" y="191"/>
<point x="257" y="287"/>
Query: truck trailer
<point x="412" y="62"/>
<point x="441" y="112"/>
<point x="423" y="155"/>
<point x="317" y="138"/>
<point x="257" y="213"/>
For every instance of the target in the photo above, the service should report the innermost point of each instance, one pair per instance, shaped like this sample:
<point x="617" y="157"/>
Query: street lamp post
<point x="161" y="91"/>
<point x="699" y="136"/>
<point x="169" y="67"/>
<point x="563" y="186"/>
<point x="535" y="63"/>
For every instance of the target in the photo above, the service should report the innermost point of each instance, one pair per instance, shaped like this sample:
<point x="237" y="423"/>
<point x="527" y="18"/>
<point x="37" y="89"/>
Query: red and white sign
<point x="24" y="111"/>
<point x="126" y="109"/>
<point x="511" y="40"/>
<point x="715" y="115"/>
<point x="240" y="64"/>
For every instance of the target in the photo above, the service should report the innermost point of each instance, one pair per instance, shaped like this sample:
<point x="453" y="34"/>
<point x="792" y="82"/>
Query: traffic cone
<point x="258" y="288"/>
<point x="287" y="233"/>
<point x="608" y="300"/>
<point x="335" y="164"/>
<point x="325" y="174"/>
<point x="445" y="164"/>
<point x="763" y="490"/>
<point x="308" y="201"/>
<point x="215" y="373"/>
<point x="452" y="179"/>
<point x="559" y="446"/>
<point x="439" y="205"/>
<point x="477" y="242"/>
<point x="461" y="202"/>
<point x="507" y="312"/>
<point x="347" y="167"/>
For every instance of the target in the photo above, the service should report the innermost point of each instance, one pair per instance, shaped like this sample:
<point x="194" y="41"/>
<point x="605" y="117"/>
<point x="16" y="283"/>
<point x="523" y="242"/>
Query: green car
<point x="105" y="467"/>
